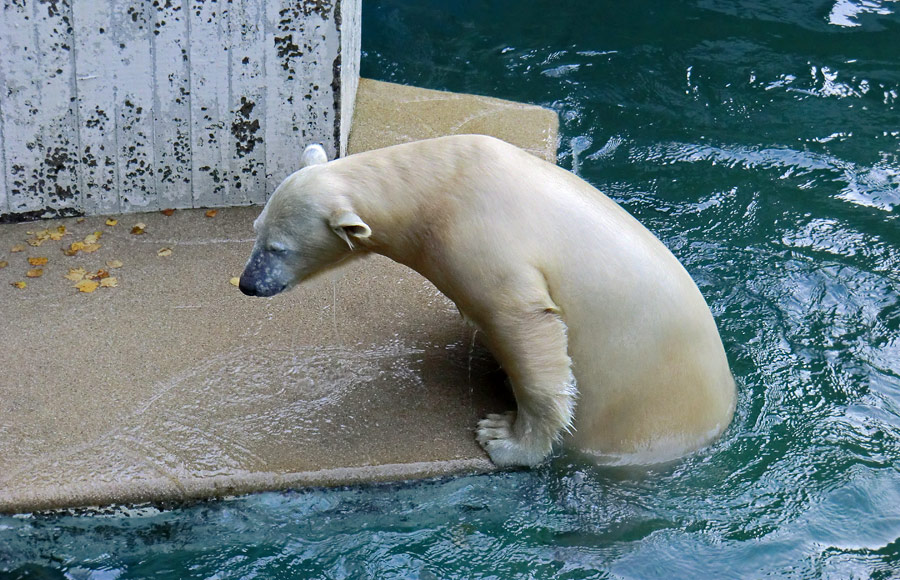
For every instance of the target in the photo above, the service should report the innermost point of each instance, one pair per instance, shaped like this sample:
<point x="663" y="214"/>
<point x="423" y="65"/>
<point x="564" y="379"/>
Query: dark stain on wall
<point x="287" y="49"/>
<point x="53" y="7"/>
<point x="320" y="7"/>
<point x="245" y="129"/>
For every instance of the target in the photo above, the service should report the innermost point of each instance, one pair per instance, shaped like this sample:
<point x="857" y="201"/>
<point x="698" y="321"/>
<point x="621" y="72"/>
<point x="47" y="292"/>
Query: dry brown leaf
<point x="211" y="213"/>
<point x="37" y="261"/>
<point x="110" y="282"/>
<point x="111" y="222"/>
<point x="235" y="281"/>
<point x="113" y="264"/>
<point x="3" y="264"/>
<point x="164" y="252"/>
<point x="35" y="273"/>
<point x="76" y="274"/>
<point x="138" y="229"/>
<point x="167" y="212"/>
<point x="20" y="285"/>
<point x="101" y="274"/>
<point x="18" y="248"/>
<point x="87" y="286"/>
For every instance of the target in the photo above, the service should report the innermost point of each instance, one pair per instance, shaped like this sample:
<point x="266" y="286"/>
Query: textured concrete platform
<point x="162" y="382"/>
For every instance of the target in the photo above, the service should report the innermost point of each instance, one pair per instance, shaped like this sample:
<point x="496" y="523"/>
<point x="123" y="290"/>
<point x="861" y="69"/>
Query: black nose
<point x="247" y="287"/>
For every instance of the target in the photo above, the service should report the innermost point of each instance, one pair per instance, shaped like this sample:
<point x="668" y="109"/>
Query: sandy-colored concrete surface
<point x="173" y="385"/>
<point x="388" y="114"/>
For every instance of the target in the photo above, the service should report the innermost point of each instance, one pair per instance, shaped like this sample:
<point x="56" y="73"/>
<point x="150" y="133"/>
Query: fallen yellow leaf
<point x="235" y="281"/>
<point x="91" y="239"/>
<point x="164" y="252"/>
<point x="111" y="222"/>
<point x="74" y="248"/>
<point x="90" y="248"/>
<point x="39" y="237"/>
<point x="18" y="248"/>
<point x="138" y="229"/>
<point x="76" y="274"/>
<point x="211" y="213"/>
<point x="110" y="282"/>
<point x="19" y="285"/>
<point x="3" y="264"/>
<point x="79" y="220"/>
<point x="87" y="286"/>
<point x="35" y="273"/>
<point x="37" y="261"/>
<point x="113" y="263"/>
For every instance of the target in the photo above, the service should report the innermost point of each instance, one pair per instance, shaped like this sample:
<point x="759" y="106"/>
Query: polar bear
<point x="606" y="340"/>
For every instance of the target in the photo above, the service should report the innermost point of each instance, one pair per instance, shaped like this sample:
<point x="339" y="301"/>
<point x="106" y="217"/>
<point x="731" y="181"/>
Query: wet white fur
<point x="577" y="301"/>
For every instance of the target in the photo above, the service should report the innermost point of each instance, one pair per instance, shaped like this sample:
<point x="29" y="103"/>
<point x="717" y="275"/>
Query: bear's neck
<point x="406" y="200"/>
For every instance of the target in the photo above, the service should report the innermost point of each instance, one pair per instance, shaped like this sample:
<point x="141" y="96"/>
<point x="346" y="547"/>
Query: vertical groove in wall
<point x="153" y="25"/>
<point x="32" y="189"/>
<point x="76" y="112"/>
<point x="228" y="40"/>
<point x="190" y="100"/>
<point x="4" y="202"/>
<point x="264" y="190"/>
<point x="5" y="39"/>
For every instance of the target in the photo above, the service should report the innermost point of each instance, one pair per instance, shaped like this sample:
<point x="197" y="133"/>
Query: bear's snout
<point x="262" y="276"/>
<point x="253" y="287"/>
<point x="247" y="287"/>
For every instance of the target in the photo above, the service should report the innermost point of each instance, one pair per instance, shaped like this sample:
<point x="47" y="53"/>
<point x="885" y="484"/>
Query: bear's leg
<point x="532" y="349"/>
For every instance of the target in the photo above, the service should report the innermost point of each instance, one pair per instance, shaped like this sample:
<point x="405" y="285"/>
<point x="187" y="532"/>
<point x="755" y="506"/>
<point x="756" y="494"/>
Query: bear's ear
<point x="347" y="225"/>
<point x="313" y="155"/>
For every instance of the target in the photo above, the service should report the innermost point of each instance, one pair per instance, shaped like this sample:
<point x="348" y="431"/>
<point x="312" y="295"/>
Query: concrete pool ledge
<point x="171" y="385"/>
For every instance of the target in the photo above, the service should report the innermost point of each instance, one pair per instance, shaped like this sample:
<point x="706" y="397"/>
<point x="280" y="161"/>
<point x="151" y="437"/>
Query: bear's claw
<point x="496" y="435"/>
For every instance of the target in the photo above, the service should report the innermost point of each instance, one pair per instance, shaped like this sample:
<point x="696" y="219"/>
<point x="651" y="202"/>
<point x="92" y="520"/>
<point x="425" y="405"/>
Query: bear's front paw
<point x="496" y="435"/>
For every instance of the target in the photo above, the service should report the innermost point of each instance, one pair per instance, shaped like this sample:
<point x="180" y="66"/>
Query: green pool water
<point x="760" y="140"/>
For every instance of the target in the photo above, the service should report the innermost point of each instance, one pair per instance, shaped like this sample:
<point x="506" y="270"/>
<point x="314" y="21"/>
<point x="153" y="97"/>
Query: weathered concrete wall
<point x="110" y="106"/>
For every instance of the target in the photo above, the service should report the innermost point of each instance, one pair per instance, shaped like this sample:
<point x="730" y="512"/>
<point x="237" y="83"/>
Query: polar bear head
<point x="304" y="228"/>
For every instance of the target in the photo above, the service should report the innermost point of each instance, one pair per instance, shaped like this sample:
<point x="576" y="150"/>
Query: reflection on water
<point x="848" y="12"/>
<point x="760" y="141"/>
